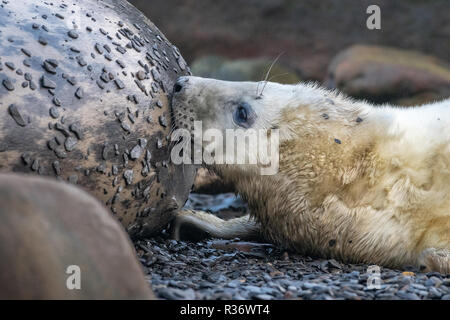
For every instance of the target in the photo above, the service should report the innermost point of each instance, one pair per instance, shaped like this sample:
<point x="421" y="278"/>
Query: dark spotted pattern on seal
<point x="82" y="82"/>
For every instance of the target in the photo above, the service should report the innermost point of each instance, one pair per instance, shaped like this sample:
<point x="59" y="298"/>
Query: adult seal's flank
<point x="84" y="91"/>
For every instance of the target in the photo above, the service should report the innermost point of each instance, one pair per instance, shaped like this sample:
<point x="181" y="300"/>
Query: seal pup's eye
<point x="243" y="115"/>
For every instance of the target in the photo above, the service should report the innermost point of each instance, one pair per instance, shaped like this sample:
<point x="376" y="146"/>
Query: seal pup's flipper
<point x="435" y="260"/>
<point x="196" y="225"/>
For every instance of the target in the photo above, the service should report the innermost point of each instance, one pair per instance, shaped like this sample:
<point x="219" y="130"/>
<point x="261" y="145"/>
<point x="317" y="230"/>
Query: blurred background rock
<point x="404" y="63"/>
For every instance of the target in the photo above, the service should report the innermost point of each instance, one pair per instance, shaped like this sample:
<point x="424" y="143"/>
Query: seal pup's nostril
<point x="179" y="84"/>
<point x="177" y="87"/>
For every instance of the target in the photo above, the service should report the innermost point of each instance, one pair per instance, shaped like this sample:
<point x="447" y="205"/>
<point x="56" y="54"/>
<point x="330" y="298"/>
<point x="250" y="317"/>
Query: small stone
<point x="81" y="61"/>
<point x="60" y="153"/>
<point x="142" y="142"/>
<point x="101" y="168"/>
<point x="79" y="93"/>
<point x="35" y="165"/>
<point x="26" y="158"/>
<point x="121" y="49"/>
<point x="52" y="144"/>
<point x="52" y="62"/>
<point x="337" y="141"/>
<point x="8" y="85"/>
<point x="47" y="83"/>
<point x="73" y="34"/>
<point x="408" y="274"/>
<point x="125" y="126"/>
<point x="119" y="83"/>
<point x="263" y="297"/>
<point x="141" y="75"/>
<point x="128" y="175"/>
<point x="155" y="75"/>
<point x="99" y="48"/>
<point x="56" y="101"/>
<point x="54" y="113"/>
<point x="162" y="121"/>
<point x="159" y="143"/>
<point x="33" y="85"/>
<point x="15" y="114"/>
<point x="120" y="63"/>
<point x="181" y="64"/>
<point x="136" y="152"/>
<point x="62" y="129"/>
<point x="49" y="67"/>
<point x="70" y="144"/>
<point x="72" y="80"/>
<point x="10" y="65"/>
<point x="76" y="130"/>
<point x="42" y="41"/>
<point x="56" y="167"/>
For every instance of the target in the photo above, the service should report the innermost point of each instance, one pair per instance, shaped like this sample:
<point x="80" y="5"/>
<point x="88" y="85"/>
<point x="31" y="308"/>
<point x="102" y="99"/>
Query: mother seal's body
<point x="84" y="91"/>
<point x="355" y="182"/>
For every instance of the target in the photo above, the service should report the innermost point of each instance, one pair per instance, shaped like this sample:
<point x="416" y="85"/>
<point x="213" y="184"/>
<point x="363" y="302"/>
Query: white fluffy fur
<point x="381" y="195"/>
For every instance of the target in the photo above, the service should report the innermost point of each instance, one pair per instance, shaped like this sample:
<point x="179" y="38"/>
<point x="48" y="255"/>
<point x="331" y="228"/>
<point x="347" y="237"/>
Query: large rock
<point x="243" y="69"/>
<point x="48" y="230"/>
<point x="84" y="94"/>
<point x="383" y="74"/>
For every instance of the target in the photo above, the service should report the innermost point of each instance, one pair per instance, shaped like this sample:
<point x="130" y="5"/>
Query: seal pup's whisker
<point x="268" y="73"/>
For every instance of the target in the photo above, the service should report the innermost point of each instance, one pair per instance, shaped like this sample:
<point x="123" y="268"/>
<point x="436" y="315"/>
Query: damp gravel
<point x="233" y="269"/>
<point x="224" y="270"/>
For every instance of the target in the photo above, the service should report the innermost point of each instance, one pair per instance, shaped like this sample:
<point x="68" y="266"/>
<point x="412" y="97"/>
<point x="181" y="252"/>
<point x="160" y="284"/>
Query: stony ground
<point x="220" y="269"/>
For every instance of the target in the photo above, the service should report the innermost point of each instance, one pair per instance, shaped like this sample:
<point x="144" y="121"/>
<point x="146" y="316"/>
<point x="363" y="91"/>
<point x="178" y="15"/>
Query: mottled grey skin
<point x="47" y="226"/>
<point x="97" y="117"/>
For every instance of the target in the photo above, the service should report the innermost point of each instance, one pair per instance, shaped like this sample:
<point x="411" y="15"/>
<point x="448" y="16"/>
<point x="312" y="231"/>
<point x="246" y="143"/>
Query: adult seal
<point x="355" y="182"/>
<point x="84" y="91"/>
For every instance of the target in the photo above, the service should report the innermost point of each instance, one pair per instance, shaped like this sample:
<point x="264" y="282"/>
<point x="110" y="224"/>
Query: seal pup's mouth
<point x="182" y="114"/>
<point x="182" y="119"/>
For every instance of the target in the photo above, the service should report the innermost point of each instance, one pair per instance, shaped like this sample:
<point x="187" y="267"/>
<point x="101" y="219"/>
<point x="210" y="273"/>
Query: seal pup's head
<point x="238" y="108"/>
<point x="229" y="105"/>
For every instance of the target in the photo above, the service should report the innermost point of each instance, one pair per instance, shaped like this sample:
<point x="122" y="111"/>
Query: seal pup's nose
<point x="179" y="84"/>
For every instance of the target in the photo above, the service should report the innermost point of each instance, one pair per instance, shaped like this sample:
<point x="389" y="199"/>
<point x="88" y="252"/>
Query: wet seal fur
<point x="356" y="182"/>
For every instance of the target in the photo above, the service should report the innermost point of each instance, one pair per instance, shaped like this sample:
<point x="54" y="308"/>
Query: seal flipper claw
<point x="435" y="260"/>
